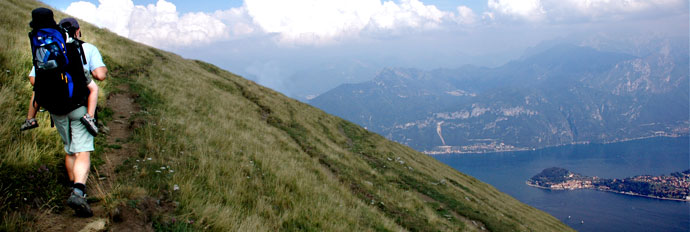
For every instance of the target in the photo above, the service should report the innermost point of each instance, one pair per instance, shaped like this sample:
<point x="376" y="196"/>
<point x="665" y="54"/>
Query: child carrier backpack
<point x="60" y="83"/>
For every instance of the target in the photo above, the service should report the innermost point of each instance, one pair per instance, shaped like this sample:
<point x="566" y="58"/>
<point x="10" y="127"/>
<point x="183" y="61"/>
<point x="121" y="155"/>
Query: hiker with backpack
<point x="61" y="76"/>
<point x="96" y="69"/>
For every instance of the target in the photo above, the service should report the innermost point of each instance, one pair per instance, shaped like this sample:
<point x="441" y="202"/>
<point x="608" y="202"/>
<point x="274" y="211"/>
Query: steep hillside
<point x="562" y="95"/>
<point x="226" y="154"/>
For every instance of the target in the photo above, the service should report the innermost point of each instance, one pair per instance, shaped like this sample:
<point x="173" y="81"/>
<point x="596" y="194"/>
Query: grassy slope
<point x="246" y="157"/>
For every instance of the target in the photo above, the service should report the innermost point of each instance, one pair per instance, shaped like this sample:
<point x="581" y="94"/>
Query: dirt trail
<point x="102" y="179"/>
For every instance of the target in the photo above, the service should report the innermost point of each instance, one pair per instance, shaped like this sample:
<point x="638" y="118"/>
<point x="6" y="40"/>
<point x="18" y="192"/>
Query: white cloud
<point x="158" y="25"/>
<point x="409" y="13"/>
<point x="527" y="9"/>
<point x="309" y="22"/>
<point x="319" y="21"/>
<point x="465" y="15"/>
<point x="309" y="19"/>
<point x="112" y="14"/>
<point x="237" y="20"/>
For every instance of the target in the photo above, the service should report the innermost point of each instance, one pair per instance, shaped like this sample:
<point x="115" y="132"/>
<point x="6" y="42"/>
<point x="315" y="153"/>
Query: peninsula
<point x="675" y="186"/>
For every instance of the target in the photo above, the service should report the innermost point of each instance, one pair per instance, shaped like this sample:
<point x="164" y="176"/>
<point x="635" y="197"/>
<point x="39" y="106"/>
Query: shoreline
<point x="553" y="146"/>
<point x="610" y="191"/>
<point x="647" y="196"/>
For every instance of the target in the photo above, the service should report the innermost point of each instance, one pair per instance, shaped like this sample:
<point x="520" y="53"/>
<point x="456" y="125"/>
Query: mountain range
<point x="556" y="94"/>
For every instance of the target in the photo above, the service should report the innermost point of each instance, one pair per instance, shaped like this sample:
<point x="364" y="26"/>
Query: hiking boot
<point x="90" y="124"/>
<point x="29" y="124"/>
<point x="77" y="201"/>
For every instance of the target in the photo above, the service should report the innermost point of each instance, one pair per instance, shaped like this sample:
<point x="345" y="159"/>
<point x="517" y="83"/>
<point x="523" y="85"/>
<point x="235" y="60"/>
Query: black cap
<point x="41" y="18"/>
<point x="69" y="22"/>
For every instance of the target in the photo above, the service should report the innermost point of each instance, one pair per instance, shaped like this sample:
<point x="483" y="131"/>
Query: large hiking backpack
<point x="60" y="84"/>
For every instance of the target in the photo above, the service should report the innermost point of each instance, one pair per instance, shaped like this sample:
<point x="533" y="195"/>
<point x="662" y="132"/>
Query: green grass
<point x="30" y="163"/>
<point x="243" y="156"/>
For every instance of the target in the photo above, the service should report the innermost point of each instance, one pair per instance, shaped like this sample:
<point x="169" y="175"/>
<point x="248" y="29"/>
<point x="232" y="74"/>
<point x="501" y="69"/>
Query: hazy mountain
<point x="308" y="83"/>
<point x="557" y="95"/>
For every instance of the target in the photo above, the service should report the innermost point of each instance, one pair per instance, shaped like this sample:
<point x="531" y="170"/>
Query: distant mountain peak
<point x="394" y="75"/>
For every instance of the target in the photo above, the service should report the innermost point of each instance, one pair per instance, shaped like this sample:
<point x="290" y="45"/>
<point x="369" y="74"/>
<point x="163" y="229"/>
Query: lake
<point x="589" y="210"/>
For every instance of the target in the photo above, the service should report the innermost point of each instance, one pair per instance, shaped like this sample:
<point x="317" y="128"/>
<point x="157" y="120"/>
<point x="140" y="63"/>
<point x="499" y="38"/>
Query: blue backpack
<point x="60" y="83"/>
<point x="48" y="49"/>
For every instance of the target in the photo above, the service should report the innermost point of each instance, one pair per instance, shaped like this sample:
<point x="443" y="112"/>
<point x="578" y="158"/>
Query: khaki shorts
<point x="74" y="134"/>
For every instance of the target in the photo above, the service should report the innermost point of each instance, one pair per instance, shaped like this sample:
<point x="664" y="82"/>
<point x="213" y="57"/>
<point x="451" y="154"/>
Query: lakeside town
<point x="495" y="146"/>
<point x="675" y="186"/>
<point x="476" y="148"/>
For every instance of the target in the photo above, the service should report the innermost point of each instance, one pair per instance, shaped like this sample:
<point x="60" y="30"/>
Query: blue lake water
<point x="590" y="210"/>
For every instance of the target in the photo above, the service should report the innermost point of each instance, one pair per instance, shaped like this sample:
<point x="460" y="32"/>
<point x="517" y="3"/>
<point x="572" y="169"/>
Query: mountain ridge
<point x="565" y="94"/>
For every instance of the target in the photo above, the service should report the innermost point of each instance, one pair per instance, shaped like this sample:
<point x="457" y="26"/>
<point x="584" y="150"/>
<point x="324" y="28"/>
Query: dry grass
<point x="248" y="158"/>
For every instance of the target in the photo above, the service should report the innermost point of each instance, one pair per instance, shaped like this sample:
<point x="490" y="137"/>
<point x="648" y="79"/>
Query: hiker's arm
<point x="99" y="73"/>
<point x="32" y="75"/>
<point x="92" y="99"/>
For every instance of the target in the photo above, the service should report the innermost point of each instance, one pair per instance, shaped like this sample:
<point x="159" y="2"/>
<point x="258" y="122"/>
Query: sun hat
<point x="41" y="18"/>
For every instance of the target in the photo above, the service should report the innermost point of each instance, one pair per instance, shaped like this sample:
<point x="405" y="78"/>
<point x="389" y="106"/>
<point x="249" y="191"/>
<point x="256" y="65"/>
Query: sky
<point x="305" y="47"/>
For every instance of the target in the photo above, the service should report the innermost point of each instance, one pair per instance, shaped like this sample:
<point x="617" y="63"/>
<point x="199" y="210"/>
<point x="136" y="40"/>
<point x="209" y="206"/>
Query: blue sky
<point x="186" y="6"/>
<point x="334" y="22"/>
<point x="272" y="41"/>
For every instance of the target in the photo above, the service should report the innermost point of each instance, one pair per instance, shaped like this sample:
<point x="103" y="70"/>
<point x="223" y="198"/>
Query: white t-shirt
<point x="94" y="60"/>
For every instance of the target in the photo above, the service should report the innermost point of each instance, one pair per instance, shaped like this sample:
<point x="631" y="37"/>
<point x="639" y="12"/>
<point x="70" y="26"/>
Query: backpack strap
<point x="81" y="50"/>
<point x="33" y="49"/>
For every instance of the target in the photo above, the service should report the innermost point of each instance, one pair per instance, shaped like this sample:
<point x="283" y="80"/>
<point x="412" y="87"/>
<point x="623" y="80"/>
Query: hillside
<point x="561" y="95"/>
<point x="235" y="156"/>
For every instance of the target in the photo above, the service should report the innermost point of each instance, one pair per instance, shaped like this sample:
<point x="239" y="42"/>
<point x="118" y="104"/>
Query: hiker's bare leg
<point x="32" y="108"/>
<point x="93" y="99"/>
<point x="69" y="165"/>
<point x="80" y="170"/>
